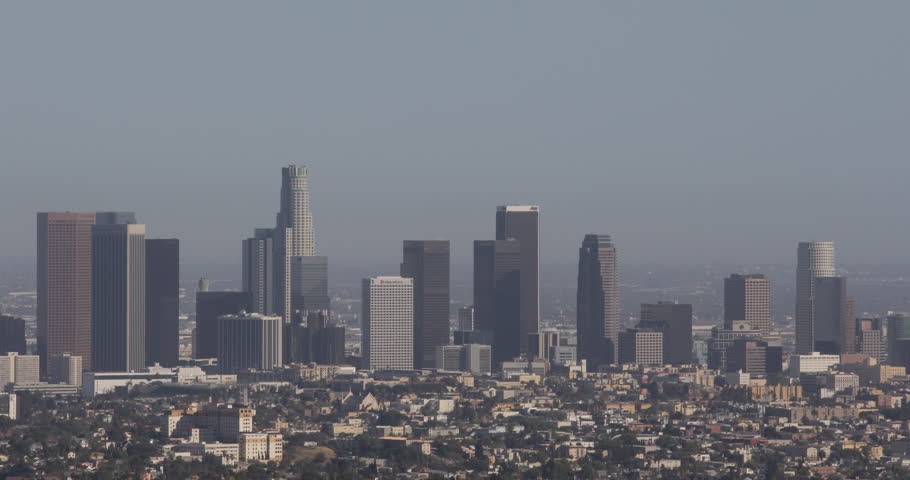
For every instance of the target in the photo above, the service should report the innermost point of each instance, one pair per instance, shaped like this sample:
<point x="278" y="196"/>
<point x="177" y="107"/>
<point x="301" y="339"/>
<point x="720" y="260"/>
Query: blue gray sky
<point x="690" y="131"/>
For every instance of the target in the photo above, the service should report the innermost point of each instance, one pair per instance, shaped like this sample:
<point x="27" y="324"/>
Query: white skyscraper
<point x="294" y="235"/>
<point x="814" y="260"/>
<point x="388" y="323"/>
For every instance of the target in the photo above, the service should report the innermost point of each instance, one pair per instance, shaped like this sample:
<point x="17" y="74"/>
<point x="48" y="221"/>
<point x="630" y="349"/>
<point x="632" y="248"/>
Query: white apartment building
<point x="388" y="323"/>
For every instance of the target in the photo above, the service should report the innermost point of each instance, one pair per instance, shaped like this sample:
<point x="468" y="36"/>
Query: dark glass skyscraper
<point x="12" y="335"/>
<point x="497" y="295"/>
<point x="310" y="285"/>
<point x="210" y="306"/>
<point x="162" y="301"/>
<point x="598" y="310"/>
<point x="523" y="224"/>
<point x="830" y="315"/>
<point x="427" y="262"/>
<point x="258" y="270"/>
<point x="118" y="297"/>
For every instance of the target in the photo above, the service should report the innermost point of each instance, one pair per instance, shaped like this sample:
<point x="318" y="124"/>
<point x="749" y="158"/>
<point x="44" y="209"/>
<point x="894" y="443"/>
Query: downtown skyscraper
<point x="522" y="223"/>
<point x="598" y="309"/>
<point x="387" y="321"/>
<point x="162" y="301"/>
<point x="118" y="297"/>
<point x="259" y="270"/>
<point x="814" y="260"/>
<point x="497" y="295"/>
<point x="293" y="236"/>
<point x="748" y="298"/>
<point x="427" y="262"/>
<point x="65" y="282"/>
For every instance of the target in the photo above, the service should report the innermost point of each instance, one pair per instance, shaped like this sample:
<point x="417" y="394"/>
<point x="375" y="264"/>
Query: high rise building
<point x="12" y="335"/>
<point x="258" y="270"/>
<point x="899" y="339"/>
<point x="210" y="306"/>
<point x="388" y="323"/>
<point x="830" y="315"/>
<point x="870" y="339"/>
<point x="598" y="309"/>
<point x="310" y="285"/>
<point x="204" y="285"/>
<point x="162" y="301"/>
<point x="748" y="298"/>
<point x="118" y="297"/>
<point x="466" y="318"/>
<point x="21" y="369"/>
<point x="427" y="263"/>
<point x="497" y="295"/>
<point x="749" y="356"/>
<point x="66" y="369"/>
<point x="641" y="347"/>
<point x="540" y="344"/>
<point x="249" y="341"/>
<point x="65" y="285"/>
<point x="723" y="338"/>
<point x="814" y="259"/>
<point x="522" y="222"/>
<point x="314" y="342"/>
<point x="473" y="358"/>
<point x="293" y="236"/>
<point x="675" y="321"/>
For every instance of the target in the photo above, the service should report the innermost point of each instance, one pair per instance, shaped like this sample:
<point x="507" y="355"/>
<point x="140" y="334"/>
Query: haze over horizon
<point x="686" y="133"/>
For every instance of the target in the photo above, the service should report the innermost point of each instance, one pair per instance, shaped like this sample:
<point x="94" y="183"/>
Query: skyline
<point x="667" y="130"/>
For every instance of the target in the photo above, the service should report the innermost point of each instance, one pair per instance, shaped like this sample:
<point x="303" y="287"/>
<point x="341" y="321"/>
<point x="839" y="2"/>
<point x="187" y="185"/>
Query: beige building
<point x="21" y="369"/>
<point x="257" y="447"/>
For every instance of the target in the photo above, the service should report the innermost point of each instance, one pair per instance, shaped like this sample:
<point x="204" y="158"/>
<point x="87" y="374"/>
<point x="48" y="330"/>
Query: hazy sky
<point x="687" y="130"/>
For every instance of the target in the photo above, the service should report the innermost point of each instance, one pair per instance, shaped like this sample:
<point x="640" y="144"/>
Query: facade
<point x="388" y="323"/>
<point x="598" y="308"/>
<point x="19" y="369"/>
<point x="12" y="335"/>
<point x="641" y="347"/>
<point x="118" y="297"/>
<point x="870" y="339"/>
<point x="473" y="358"/>
<point x="723" y="338"/>
<point x="258" y="447"/>
<point x="899" y="339"/>
<point x="497" y="295"/>
<point x="310" y="286"/>
<point x="831" y="316"/>
<point x="747" y="356"/>
<point x="748" y="298"/>
<point x="258" y="270"/>
<point x="210" y="306"/>
<point x="814" y="259"/>
<point x="675" y="320"/>
<point x="9" y="406"/>
<point x="66" y="369"/>
<point x="563" y="355"/>
<point x="522" y="222"/>
<point x="466" y="318"/>
<point x="427" y="263"/>
<point x="293" y="236"/>
<point x="812" y="363"/>
<point x="65" y="285"/>
<point x="314" y="342"/>
<point x="450" y="357"/>
<point x="162" y="302"/>
<point x="249" y="341"/>
<point x="539" y="344"/>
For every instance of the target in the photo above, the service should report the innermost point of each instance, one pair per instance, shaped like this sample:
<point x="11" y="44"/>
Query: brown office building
<point x="598" y="310"/>
<point x="497" y="293"/>
<point x="162" y="301"/>
<point x="675" y="321"/>
<point x="65" y="285"/>
<point x="749" y="356"/>
<point x="427" y="262"/>
<point x="522" y="222"/>
<point x="748" y="298"/>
